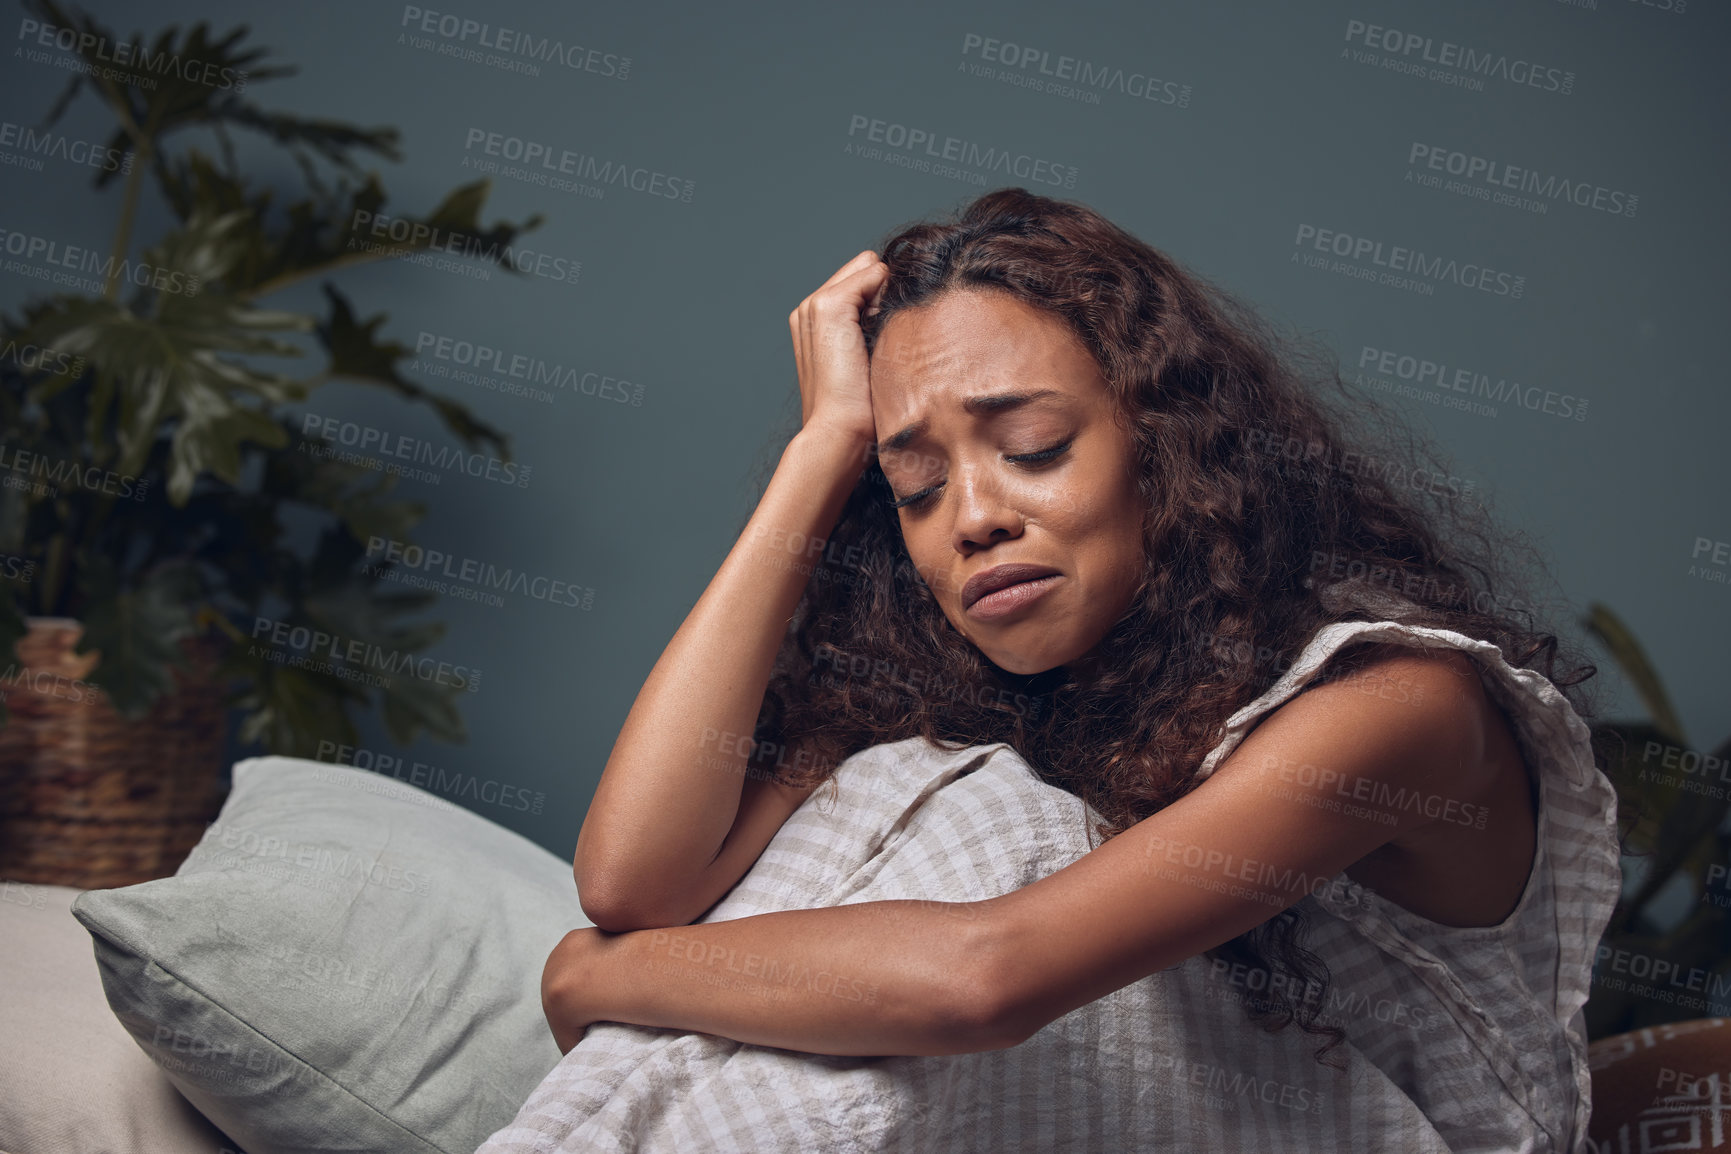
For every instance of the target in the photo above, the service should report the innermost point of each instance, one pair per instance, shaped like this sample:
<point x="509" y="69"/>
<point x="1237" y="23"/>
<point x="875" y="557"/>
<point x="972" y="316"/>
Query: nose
<point x="984" y="516"/>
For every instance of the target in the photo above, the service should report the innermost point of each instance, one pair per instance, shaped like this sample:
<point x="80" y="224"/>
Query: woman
<point x="1052" y="490"/>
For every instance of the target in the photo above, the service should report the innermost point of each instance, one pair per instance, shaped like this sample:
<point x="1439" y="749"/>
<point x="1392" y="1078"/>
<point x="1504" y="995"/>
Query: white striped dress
<point x="1457" y="1039"/>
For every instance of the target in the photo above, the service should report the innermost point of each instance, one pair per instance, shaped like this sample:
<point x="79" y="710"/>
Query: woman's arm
<point x="1264" y="830"/>
<point x="868" y="978"/>
<point x="674" y="822"/>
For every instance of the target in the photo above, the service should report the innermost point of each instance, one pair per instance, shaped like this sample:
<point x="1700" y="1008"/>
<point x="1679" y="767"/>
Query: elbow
<point x="971" y="1024"/>
<point x="608" y="904"/>
<point x="614" y="918"/>
<point x="984" y="1004"/>
<point x="617" y="910"/>
<point x="609" y="908"/>
<point x="1000" y="1022"/>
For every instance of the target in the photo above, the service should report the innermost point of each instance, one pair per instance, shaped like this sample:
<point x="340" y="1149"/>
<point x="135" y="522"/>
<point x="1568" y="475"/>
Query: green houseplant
<point x="157" y="494"/>
<point x="1674" y="800"/>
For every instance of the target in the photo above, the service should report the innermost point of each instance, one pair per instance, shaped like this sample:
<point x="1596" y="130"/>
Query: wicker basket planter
<point x="88" y="798"/>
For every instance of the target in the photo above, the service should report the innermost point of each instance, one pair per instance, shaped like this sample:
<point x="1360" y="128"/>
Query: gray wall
<point x="1267" y="118"/>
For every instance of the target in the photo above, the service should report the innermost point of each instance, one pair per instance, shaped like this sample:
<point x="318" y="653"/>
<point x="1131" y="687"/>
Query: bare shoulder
<point x="1433" y="693"/>
<point x="1437" y="761"/>
<point x="1382" y="721"/>
<point x="1436" y="670"/>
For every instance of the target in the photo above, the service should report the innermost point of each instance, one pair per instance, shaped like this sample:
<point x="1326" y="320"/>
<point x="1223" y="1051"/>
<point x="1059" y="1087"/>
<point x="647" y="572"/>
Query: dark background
<point x="1264" y="121"/>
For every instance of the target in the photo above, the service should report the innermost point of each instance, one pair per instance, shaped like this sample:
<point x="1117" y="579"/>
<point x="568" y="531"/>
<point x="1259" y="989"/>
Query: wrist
<point x="570" y="986"/>
<point x="845" y="447"/>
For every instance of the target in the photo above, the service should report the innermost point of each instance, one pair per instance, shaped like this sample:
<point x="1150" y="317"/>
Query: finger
<point x="850" y="294"/>
<point x="876" y="303"/>
<point x="864" y="283"/>
<point x="847" y="268"/>
<point x="804" y="319"/>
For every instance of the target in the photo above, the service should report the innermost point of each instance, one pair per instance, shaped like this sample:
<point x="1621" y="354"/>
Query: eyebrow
<point x="991" y="403"/>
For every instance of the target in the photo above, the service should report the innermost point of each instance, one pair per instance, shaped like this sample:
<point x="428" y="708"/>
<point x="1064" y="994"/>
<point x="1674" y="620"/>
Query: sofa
<point x="346" y="962"/>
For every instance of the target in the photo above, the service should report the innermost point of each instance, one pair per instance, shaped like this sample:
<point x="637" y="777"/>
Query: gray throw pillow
<point x="344" y="962"/>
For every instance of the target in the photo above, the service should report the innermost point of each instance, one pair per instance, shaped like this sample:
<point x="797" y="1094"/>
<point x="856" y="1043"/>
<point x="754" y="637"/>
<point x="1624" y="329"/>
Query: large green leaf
<point x="460" y="214"/>
<point x="138" y="631"/>
<point x="166" y="365"/>
<point x="159" y="101"/>
<point x="289" y="710"/>
<point x="330" y="229"/>
<point x="298" y="698"/>
<point x="362" y="499"/>
<point x="357" y="352"/>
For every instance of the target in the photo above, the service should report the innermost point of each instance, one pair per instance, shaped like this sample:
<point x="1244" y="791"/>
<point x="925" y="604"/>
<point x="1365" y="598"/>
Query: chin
<point x="1022" y="666"/>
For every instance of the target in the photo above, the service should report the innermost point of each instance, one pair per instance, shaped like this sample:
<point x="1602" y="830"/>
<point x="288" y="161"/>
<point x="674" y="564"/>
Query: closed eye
<point x="1026" y="460"/>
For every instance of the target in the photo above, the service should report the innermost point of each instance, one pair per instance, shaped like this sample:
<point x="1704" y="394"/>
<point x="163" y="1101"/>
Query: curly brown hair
<point x="1254" y="484"/>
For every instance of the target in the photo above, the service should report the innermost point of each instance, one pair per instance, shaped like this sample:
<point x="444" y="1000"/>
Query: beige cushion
<point x="74" y="1080"/>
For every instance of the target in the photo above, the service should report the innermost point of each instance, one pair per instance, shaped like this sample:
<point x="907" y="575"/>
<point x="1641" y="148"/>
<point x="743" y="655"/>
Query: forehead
<point x="969" y="341"/>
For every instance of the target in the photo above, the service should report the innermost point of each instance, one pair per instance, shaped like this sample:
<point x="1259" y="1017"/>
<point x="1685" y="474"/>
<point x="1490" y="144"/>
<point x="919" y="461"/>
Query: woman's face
<point x="998" y="414"/>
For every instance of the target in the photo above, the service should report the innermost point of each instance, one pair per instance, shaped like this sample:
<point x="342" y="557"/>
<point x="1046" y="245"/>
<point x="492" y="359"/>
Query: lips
<point x="998" y="577"/>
